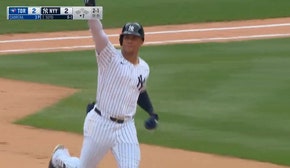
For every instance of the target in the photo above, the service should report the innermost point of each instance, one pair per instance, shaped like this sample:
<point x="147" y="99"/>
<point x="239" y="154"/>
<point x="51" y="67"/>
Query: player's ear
<point x="142" y="41"/>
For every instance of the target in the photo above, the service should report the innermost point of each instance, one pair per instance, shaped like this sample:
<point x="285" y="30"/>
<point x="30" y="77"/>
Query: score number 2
<point x="33" y="10"/>
<point x="66" y="10"/>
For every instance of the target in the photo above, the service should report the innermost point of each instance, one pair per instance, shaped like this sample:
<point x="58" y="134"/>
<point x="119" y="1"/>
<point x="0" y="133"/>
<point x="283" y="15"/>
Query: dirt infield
<point x="23" y="146"/>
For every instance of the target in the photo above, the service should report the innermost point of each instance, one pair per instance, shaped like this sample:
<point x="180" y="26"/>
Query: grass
<point x="150" y="12"/>
<point x="223" y="98"/>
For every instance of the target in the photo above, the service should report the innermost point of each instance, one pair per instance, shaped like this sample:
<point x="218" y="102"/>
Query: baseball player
<point x="109" y="124"/>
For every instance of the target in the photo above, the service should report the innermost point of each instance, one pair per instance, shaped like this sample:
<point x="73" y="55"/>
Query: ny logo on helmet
<point x="131" y="28"/>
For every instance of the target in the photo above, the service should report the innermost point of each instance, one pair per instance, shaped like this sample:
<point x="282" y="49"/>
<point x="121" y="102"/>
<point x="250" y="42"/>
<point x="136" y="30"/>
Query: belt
<point x="120" y="121"/>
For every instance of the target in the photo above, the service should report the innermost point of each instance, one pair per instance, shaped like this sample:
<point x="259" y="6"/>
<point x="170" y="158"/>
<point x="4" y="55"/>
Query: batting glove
<point x="90" y="2"/>
<point x="90" y="106"/>
<point x="152" y="122"/>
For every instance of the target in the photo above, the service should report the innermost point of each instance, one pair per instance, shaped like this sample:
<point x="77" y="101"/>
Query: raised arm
<point x="99" y="36"/>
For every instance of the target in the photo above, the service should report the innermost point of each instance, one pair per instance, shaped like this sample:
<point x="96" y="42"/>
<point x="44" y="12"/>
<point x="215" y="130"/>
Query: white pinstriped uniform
<point x="117" y="95"/>
<point x="117" y="91"/>
<point x="119" y="85"/>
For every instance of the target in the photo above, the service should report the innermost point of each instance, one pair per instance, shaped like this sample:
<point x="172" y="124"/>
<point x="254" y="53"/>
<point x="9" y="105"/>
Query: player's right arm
<point x="99" y="36"/>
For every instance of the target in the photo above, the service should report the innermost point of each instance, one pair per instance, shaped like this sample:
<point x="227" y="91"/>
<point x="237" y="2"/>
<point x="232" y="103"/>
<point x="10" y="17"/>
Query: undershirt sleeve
<point x="99" y="36"/>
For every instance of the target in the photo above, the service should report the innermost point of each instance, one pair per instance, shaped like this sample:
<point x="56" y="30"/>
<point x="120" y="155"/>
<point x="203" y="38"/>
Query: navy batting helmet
<point x="133" y="28"/>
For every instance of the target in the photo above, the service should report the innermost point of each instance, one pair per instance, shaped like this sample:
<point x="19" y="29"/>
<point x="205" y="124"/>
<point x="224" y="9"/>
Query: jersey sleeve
<point x="146" y="71"/>
<point x="106" y="55"/>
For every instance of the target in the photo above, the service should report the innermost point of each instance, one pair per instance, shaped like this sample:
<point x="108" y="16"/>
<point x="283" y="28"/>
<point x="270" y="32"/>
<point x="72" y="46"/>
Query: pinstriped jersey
<point x="119" y="82"/>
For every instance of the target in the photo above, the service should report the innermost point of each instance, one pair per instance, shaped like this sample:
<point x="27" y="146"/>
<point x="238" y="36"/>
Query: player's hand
<point x="90" y="2"/>
<point x="152" y="122"/>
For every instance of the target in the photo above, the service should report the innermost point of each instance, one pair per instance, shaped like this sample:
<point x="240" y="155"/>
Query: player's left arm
<point x="145" y="103"/>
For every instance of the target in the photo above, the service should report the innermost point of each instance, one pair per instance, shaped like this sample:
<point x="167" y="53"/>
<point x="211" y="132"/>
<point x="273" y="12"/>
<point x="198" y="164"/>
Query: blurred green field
<point x="150" y="12"/>
<point x="224" y="98"/>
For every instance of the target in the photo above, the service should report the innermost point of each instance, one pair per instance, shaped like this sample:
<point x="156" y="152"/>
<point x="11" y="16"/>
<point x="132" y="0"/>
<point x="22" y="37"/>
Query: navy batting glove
<point x="90" y="2"/>
<point x="90" y="106"/>
<point x="152" y="122"/>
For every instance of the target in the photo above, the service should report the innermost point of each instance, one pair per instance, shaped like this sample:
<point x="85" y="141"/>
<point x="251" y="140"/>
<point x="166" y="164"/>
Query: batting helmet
<point x="133" y="29"/>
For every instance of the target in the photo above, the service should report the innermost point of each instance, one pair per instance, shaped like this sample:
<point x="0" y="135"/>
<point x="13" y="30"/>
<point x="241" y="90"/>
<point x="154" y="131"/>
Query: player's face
<point x="132" y="43"/>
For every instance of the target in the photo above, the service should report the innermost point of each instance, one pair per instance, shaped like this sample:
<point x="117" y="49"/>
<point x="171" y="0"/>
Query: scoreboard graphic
<point x="54" y="13"/>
